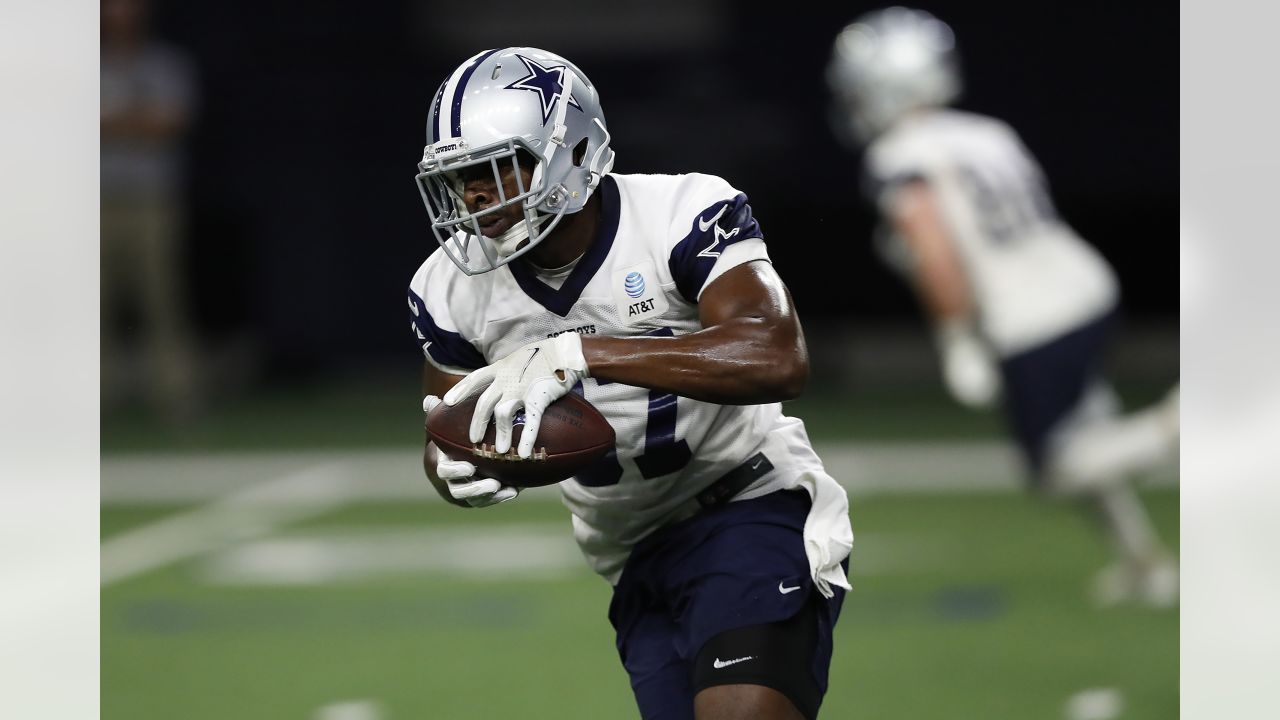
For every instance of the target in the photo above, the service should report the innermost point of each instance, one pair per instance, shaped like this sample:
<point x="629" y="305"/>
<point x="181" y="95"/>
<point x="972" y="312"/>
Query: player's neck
<point x="570" y="239"/>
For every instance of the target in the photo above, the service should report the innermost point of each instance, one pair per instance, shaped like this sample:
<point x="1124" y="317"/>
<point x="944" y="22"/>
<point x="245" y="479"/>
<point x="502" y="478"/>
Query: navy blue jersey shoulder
<point x="715" y="228"/>
<point x="444" y="347"/>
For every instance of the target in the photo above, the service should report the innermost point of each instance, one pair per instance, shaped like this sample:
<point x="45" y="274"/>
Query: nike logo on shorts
<point x="785" y="590"/>
<point x="720" y="664"/>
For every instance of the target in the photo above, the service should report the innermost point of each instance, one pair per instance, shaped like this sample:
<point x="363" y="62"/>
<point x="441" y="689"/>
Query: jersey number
<point x="663" y="453"/>
<point x="1008" y="207"/>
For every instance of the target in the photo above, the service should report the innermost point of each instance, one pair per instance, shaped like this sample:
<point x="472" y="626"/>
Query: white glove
<point x="967" y="365"/>
<point x="460" y="476"/>
<point x="532" y="378"/>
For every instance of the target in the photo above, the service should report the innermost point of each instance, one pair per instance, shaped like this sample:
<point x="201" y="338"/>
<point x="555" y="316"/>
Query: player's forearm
<point x="744" y="361"/>
<point x="940" y="279"/>
<point x="944" y="292"/>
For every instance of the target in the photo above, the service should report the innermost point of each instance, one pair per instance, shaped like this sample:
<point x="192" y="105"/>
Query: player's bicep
<point x="749" y="290"/>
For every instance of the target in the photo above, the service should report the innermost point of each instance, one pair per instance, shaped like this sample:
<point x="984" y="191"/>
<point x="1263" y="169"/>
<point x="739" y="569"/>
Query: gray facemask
<point x="491" y="108"/>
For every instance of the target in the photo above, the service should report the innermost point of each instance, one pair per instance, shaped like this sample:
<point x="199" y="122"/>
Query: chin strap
<point x="598" y="169"/>
<point x="559" y="129"/>
<point x="557" y="195"/>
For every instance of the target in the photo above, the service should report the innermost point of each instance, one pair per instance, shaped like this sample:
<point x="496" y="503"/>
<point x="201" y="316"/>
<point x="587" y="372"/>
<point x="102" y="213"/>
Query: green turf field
<point x="384" y="604"/>
<point x="965" y="606"/>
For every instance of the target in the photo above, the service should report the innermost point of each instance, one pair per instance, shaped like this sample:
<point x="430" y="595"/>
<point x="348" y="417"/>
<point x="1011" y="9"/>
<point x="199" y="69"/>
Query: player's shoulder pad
<point x="440" y="302"/>
<point x="710" y="216"/>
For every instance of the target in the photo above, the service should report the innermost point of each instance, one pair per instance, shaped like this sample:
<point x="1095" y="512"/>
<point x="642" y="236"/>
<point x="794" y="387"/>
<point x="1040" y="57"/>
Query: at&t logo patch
<point x="638" y="293"/>
<point x="634" y="285"/>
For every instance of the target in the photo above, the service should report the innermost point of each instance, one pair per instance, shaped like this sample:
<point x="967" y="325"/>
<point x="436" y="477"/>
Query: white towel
<point x="828" y="536"/>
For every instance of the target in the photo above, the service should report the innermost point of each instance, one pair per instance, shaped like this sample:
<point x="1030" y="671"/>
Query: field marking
<point x="247" y="513"/>
<point x="233" y="504"/>
<point x="349" y="710"/>
<point x="394" y="475"/>
<point x="336" y="555"/>
<point x="341" y="554"/>
<point x="1101" y="703"/>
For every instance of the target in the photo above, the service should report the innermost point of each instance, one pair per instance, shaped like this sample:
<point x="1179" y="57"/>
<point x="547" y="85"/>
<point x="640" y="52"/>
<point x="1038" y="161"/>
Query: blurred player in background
<point x="147" y="95"/>
<point x="1020" y="305"/>
<point x="653" y="296"/>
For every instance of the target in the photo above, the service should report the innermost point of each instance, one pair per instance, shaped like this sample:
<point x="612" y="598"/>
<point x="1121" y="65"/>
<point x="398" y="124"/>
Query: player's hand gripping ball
<point x="525" y="429"/>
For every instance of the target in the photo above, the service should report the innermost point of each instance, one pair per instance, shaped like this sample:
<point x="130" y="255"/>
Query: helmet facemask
<point x="458" y="230"/>
<point x="569" y="157"/>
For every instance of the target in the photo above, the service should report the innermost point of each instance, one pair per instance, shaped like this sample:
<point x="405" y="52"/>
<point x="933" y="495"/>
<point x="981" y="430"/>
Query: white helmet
<point x="890" y="62"/>
<point x="495" y="104"/>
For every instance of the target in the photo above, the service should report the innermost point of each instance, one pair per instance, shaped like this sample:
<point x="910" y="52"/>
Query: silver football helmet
<point x="889" y="62"/>
<point x="495" y="108"/>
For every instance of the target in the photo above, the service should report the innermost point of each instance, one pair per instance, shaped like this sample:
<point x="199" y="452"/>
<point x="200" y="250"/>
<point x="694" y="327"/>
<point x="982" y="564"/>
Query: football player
<point x="1019" y="304"/>
<point x="652" y="296"/>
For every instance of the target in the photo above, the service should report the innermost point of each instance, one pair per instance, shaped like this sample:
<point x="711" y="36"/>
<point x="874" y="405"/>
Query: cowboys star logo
<point x="548" y="82"/>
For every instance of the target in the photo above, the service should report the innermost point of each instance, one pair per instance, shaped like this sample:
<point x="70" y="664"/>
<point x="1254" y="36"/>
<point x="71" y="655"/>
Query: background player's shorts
<point x="736" y="565"/>
<point x="1043" y="385"/>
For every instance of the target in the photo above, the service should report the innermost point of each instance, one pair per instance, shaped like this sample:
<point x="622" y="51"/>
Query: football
<point x="573" y="435"/>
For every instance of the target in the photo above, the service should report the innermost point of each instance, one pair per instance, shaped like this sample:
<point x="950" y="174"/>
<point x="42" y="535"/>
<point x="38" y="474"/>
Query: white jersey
<point x="1032" y="277"/>
<point x="663" y="239"/>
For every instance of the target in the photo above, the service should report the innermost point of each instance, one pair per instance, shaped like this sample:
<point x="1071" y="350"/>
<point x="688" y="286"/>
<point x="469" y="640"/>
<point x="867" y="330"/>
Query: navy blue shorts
<point x="727" y="567"/>
<point x="1044" y="384"/>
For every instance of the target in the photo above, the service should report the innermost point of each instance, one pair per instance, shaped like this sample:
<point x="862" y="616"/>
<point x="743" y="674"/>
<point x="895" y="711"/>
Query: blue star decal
<point x="547" y="82"/>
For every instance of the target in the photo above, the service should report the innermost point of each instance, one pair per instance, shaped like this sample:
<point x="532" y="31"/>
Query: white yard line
<point x="395" y="475"/>
<point x="333" y="555"/>
<point x="181" y="478"/>
<point x="349" y="710"/>
<point x="251" y="512"/>
<point x="247" y="496"/>
<point x="1102" y="703"/>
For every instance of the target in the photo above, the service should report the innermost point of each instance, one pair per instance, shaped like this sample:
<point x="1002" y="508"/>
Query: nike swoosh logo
<point x="785" y="590"/>
<point x="704" y="225"/>
<point x="718" y="664"/>
<point x="532" y="355"/>
<point x="758" y="463"/>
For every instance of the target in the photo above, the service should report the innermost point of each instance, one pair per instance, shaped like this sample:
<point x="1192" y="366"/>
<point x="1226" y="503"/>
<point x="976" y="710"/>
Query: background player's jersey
<point x="662" y="240"/>
<point x="1032" y="277"/>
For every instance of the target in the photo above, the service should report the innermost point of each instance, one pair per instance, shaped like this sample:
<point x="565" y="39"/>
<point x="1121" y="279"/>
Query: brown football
<point x="573" y="435"/>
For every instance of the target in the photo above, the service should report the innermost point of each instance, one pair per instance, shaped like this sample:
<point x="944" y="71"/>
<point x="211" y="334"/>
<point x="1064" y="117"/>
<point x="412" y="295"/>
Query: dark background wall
<point x="304" y="224"/>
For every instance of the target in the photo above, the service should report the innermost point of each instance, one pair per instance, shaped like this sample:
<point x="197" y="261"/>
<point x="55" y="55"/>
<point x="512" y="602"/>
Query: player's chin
<point x="493" y="231"/>
<point x="496" y="228"/>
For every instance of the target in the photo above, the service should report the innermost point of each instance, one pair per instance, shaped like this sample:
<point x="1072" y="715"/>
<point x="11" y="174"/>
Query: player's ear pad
<point x="780" y="657"/>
